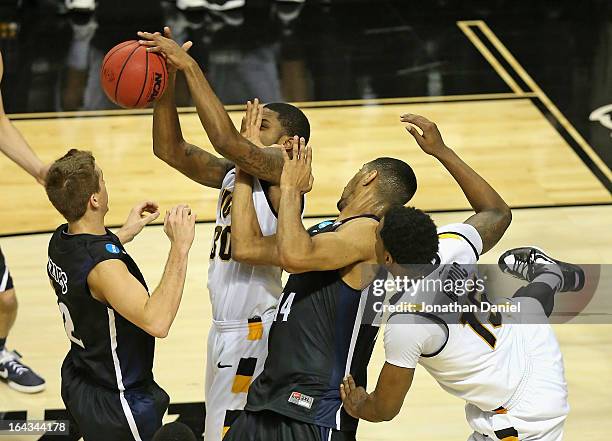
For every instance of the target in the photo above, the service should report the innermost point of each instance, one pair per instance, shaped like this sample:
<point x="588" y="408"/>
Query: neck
<point x="88" y="224"/>
<point x="366" y="204"/>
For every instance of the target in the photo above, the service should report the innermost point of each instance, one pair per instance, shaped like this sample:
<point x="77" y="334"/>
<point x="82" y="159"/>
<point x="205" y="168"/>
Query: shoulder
<point x="458" y="241"/>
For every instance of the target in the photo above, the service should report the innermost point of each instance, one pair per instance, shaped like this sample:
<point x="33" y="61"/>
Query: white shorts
<point x="236" y="352"/>
<point x="539" y="407"/>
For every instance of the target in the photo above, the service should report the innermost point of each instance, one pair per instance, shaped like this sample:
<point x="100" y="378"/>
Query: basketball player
<point x="110" y="318"/>
<point x="16" y="374"/>
<point x="317" y="335"/>
<point x="510" y="375"/>
<point x="243" y="296"/>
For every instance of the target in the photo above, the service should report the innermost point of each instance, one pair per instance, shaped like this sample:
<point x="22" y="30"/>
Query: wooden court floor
<point x="565" y="209"/>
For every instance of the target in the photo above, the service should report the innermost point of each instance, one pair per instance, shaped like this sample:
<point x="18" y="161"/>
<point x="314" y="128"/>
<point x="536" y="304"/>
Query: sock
<point x="553" y="279"/>
<point x="2" y="343"/>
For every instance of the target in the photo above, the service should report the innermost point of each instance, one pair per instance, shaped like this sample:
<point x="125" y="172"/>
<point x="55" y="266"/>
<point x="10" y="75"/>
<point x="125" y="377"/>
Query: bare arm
<point x="264" y="163"/>
<point x="298" y="251"/>
<point x="249" y="245"/>
<point x="493" y="216"/>
<point x="385" y="402"/>
<point x="13" y="145"/>
<point x="156" y="313"/>
<point x="169" y="145"/>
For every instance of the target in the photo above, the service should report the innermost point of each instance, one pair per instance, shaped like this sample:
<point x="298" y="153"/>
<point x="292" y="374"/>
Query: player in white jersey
<point x="509" y="373"/>
<point x="243" y="295"/>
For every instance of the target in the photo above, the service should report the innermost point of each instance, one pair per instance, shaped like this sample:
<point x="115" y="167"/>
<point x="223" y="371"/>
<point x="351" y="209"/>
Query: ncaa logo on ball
<point x="157" y="82"/>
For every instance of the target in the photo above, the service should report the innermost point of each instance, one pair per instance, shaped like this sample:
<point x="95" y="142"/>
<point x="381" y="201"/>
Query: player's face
<point x="103" y="193"/>
<point x="382" y="255"/>
<point x="349" y="191"/>
<point x="271" y="131"/>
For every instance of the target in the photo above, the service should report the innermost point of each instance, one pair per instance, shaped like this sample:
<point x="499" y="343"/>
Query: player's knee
<point x="8" y="301"/>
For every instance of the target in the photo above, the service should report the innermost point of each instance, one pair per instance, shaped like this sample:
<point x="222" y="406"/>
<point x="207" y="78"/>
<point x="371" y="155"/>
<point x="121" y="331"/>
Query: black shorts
<point x="6" y="281"/>
<point x="270" y="426"/>
<point x="101" y="414"/>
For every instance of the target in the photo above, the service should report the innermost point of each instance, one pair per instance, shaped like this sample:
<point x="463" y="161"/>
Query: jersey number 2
<point x="69" y="325"/>
<point x="284" y="307"/>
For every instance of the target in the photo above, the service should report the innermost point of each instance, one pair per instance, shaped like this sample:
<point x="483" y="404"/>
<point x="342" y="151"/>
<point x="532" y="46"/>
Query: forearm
<point x="293" y="241"/>
<point x="167" y="135"/>
<point x="13" y="145"/>
<point x="214" y="118"/>
<point x="373" y="410"/>
<point x="479" y="193"/>
<point x="162" y="306"/>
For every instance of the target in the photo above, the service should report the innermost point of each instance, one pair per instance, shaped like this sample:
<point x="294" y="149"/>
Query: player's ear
<point x="369" y="177"/>
<point x="94" y="200"/>
<point x="388" y="258"/>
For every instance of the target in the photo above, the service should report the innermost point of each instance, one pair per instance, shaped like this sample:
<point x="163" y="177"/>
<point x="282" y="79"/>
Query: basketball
<point x="132" y="77"/>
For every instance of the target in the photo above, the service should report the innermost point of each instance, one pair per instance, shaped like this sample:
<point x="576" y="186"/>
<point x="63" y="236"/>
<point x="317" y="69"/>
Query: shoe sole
<point x="26" y="389"/>
<point x="579" y="269"/>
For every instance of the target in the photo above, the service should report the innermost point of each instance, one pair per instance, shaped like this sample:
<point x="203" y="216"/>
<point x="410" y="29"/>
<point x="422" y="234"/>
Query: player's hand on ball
<point x="176" y="56"/>
<point x="179" y="226"/>
<point x="142" y="214"/>
<point x="352" y="396"/>
<point x="297" y="169"/>
<point x="431" y="140"/>
<point x="251" y="123"/>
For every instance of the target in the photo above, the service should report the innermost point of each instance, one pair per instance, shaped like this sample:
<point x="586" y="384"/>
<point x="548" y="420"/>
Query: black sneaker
<point x="527" y="263"/>
<point x="17" y="375"/>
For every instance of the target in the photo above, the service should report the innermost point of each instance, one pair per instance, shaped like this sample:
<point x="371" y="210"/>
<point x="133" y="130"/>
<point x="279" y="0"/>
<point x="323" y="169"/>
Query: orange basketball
<point x="132" y="77"/>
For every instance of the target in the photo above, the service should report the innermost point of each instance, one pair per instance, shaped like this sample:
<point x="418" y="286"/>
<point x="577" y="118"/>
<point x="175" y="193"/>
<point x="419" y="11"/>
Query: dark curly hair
<point x="409" y="235"/>
<point x="292" y="119"/>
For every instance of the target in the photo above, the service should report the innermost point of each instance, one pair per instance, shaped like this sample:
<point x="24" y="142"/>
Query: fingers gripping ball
<point x="132" y="77"/>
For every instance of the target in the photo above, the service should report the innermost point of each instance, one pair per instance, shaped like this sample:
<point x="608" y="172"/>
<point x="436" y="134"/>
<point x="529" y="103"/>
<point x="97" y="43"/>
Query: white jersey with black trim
<point x="240" y="291"/>
<point x="472" y="357"/>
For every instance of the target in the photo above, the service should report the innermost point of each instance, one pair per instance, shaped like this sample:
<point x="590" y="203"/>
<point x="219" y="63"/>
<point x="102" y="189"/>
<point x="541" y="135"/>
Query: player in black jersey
<point x="109" y="316"/>
<point x="16" y="374"/>
<point x="318" y="335"/>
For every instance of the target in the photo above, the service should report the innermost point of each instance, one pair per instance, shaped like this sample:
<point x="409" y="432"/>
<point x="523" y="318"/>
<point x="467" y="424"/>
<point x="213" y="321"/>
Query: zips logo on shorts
<point x="301" y="400"/>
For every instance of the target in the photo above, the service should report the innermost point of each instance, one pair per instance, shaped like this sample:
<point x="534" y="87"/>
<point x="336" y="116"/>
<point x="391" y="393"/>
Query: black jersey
<point x="318" y="336"/>
<point x="105" y="347"/>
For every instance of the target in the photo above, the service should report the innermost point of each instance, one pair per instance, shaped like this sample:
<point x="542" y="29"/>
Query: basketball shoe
<point x="17" y="375"/>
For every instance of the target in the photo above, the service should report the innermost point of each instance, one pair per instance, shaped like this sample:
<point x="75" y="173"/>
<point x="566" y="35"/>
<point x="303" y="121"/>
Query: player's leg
<point x="546" y="276"/>
<point x="17" y="375"/>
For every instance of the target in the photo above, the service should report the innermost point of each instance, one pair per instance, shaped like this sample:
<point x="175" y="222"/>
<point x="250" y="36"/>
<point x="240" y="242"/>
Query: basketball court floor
<point x="515" y="136"/>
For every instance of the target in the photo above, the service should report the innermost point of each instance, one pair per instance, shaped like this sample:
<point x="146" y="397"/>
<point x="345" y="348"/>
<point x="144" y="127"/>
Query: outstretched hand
<point x="297" y="168"/>
<point x="430" y="141"/>
<point x="141" y="215"/>
<point x="176" y="56"/>
<point x="251" y="122"/>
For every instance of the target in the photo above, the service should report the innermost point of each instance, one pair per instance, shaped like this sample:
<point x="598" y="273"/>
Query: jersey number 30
<point x="222" y="241"/>
<point x="69" y="325"/>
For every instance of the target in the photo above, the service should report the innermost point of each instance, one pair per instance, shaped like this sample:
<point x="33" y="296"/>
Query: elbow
<point x="158" y="331"/>
<point x="505" y="216"/>
<point x="241" y="252"/>
<point x="290" y="262"/>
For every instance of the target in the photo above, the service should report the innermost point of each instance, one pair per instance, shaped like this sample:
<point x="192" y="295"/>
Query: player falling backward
<point x="509" y="370"/>
<point x="243" y="296"/>
<point x="110" y="318"/>
<point x="320" y="332"/>
<point x="17" y="375"/>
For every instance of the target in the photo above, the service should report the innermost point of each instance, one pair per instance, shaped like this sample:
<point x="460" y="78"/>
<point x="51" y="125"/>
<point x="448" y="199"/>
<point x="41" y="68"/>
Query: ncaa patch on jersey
<point x="301" y="400"/>
<point x="112" y="248"/>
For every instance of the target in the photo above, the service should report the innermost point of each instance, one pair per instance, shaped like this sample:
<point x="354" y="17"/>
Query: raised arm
<point x="112" y="283"/>
<point x="298" y="251"/>
<point x="249" y="245"/>
<point x="13" y="145"/>
<point x="169" y="145"/>
<point x="493" y="216"/>
<point x="264" y="163"/>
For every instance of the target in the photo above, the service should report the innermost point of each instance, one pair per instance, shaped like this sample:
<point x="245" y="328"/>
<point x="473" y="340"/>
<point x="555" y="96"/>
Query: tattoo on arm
<point x="263" y="163"/>
<point x="204" y="167"/>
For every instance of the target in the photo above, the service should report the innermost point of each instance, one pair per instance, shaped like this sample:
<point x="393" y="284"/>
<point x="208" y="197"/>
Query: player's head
<point x="392" y="182"/>
<point x="282" y="121"/>
<point x="75" y="185"/>
<point x="174" y="432"/>
<point x="406" y="236"/>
